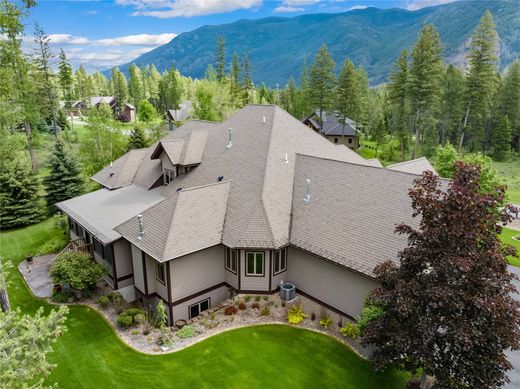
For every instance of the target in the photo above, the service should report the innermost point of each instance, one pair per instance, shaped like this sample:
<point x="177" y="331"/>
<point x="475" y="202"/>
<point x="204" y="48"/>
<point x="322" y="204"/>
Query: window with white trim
<point x="168" y="176"/>
<point x="255" y="263"/>
<point x="231" y="260"/>
<point x="160" y="272"/>
<point x="280" y="261"/>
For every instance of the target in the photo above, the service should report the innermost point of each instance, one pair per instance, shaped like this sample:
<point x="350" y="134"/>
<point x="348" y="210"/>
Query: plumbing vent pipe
<point x="286" y="159"/>
<point x="141" y="227"/>
<point x="263" y="119"/>
<point x="307" y="197"/>
<point x="230" y="138"/>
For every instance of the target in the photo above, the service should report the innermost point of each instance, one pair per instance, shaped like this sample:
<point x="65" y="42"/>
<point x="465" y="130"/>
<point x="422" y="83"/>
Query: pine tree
<point x="425" y="80"/>
<point x="303" y="105"/>
<point x="61" y="120"/>
<point x="66" y="79"/>
<point x="20" y="196"/>
<point x="153" y="85"/>
<point x="322" y="82"/>
<point x="120" y="87"/>
<point x="502" y="139"/>
<point x="247" y="82"/>
<point x="481" y="81"/>
<point x="135" y="85"/>
<point x="220" y="58"/>
<point x="137" y="139"/>
<point x="348" y="99"/>
<point x="84" y="87"/>
<point x="234" y="81"/>
<point x="289" y="96"/>
<point x="379" y="133"/>
<point x="64" y="180"/>
<point x="362" y="118"/>
<point x="509" y="101"/>
<point x="452" y="107"/>
<point x="170" y="90"/>
<point x="398" y="98"/>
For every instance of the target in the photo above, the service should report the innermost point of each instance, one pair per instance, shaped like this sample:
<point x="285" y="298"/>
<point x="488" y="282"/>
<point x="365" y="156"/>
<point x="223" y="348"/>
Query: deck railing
<point x="77" y="245"/>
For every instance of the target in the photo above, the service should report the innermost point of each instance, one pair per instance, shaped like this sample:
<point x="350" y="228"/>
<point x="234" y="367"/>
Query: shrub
<point x="369" y="313"/>
<point x="265" y="298"/>
<point x="124" y="320"/>
<point x="247" y="298"/>
<point x="114" y="296"/>
<point x="350" y="330"/>
<point x="258" y="298"/>
<point x="135" y="332"/>
<point x="229" y="310"/>
<point x="265" y="311"/>
<point x="134" y="311"/>
<point x="242" y="306"/>
<point x="255" y="305"/>
<point x="53" y="245"/>
<point x="296" y="314"/>
<point x="186" y="332"/>
<point x="103" y="301"/>
<point x="119" y="304"/>
<point x="140" y="318"/>
<point x="326" y="322"/>
<point x="61" y="297"/>
<point x="165" y="338"/>
<point x="78" y="270"/>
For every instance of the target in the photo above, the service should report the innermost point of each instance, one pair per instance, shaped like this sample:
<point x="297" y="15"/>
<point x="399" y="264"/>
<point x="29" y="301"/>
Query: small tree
<point x="65" y="180"/>
<point x="21" y="203"/>
<point x="137" y="139"/>
<point x="77" y="269"/>
<point x="61" y="121"/>
<point x="445" y="157"/>
<point x="448" y="309"/>
<point x="147" y="112"/>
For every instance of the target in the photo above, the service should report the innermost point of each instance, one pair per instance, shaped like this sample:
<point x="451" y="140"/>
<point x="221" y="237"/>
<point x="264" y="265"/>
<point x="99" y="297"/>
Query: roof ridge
<point x="409" y="161"/>
<point x="205" y="185"/>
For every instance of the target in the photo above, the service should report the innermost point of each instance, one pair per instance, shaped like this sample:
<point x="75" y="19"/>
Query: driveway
<point x="514" y="356"/>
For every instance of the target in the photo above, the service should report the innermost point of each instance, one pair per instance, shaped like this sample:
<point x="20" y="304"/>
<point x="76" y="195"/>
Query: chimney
<point x="307" y="197"/>
<point x="141" y="227"/>
<point x="230" y="138"/>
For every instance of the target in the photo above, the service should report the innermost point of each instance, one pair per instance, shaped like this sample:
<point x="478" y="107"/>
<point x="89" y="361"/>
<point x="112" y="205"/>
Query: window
<point x="255" y="263"/>
<point x="280" y="261"/>
<point x="195" y="309"/>
<point x="168" y="176"/>
<point x="99" y="248"/>
<point x="160" y="272"/>
<point x="231" y="260"/>
<point x="349" y="140"/>
<point x="335" y="140"/>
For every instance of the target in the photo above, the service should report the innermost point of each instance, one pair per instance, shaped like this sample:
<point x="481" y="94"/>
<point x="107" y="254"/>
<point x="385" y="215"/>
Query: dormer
<point x="179" y="156"/>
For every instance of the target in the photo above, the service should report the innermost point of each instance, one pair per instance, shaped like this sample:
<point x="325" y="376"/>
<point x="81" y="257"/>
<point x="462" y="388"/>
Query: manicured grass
<point x="510" y="171"/>
<point x="507" y="237"/>
<point x="90" y="355"/>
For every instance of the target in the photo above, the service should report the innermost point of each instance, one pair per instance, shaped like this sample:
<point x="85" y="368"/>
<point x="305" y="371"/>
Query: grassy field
<point x="510" y="171"/>
<point x="90" y="355"/>
<point x="507" y="237"/>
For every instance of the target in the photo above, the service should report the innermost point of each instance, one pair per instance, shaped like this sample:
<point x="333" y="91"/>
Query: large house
<point x="334" y="128"/>
<point x="244" y="204"/>
<point x="78" y="108"/>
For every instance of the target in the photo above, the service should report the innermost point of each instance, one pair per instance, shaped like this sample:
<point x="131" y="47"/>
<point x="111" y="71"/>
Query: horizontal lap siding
<point x="180" y="311"/>
<point x="254" y="283"/>
<point x="123" y="258"/>
<point x="197" y="271"/>
<point x="332" y="284"/>
<point x="137" y="261"/>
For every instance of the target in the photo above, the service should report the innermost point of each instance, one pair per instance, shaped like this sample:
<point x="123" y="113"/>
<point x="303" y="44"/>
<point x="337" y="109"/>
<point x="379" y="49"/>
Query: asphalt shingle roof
<point x="415" y="166"/>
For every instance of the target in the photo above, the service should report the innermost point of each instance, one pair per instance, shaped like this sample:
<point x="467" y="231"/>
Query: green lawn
<point x="90" y="355"/>
<point x="510" y="171"/>
<point x="507" y="237"/>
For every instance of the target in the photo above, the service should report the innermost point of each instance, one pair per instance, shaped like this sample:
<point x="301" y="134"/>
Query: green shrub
<point x="135" y="332"/>
<point x="265" y="298"/>
<point x="134" y="311"/>
<point x="61" y="297"/>
<point x="77" y="269"/>
<point x="326" y="322"/>
<point x="124" y="320"/>
<point x="258" y="298"/>
<point x="186" y="332"/>
<point x="114" y="296"/>
<point x="350" y="330"/>
<point x="140" y="318"/>
<point x="265" y="311"/>
<point x="103" y="301"/>
<point x="54" y="245"/>
<point x="165" y="338"/>
<point x="247" y="298"/>
<point x="369" y="313"/>
<point x="296" y="314"/>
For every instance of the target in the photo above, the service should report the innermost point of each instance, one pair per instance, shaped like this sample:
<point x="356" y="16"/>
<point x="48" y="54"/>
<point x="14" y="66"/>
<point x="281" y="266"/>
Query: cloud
<point x="67" y="39"/>
<point x="137" y="40"/>
<point x="165" y="9"/>
<point x="354" y="7"/>
<point x="283" y="9"/>
<point x="413" y="5"/>
<point x="291" y="3"/>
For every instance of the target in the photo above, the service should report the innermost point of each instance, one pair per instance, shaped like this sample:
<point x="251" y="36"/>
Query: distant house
<point x="333" y="129"/>
<point x="76" y="108"/>
<point x="127" y="114"/>
<point x="96" y="101"/>
<point x="178" y="115"/>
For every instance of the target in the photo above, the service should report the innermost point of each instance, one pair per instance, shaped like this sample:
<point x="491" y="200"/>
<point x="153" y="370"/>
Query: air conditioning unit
<point x="287" y="291"/>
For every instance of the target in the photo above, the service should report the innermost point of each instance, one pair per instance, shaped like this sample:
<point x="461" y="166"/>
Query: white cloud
<point x="413" y="5"/>
<point x="354" y="7"/>
<point x="137" y="40"/>
<point x="165" y="9"/>
<point x="291" y="3"/>
<point x="282" y="9"/>
<point x="67" y="39"/>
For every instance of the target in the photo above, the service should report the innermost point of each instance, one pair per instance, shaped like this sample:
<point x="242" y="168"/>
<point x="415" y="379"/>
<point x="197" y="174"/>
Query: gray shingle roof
<point x="187" y="221"/>
<point x="101" y="211"/>
<point x="332" y="125"/>
<point x="123" y="170"/>
<point x="353" y="210"/>
<point x="415" y="166"/>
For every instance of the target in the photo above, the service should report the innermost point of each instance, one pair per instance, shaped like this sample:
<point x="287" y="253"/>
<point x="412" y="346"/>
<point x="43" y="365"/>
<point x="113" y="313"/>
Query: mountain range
<point x="279" y="46"/>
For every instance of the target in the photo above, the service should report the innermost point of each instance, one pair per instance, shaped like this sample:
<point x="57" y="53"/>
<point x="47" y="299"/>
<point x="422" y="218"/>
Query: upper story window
<point x="280" y="261"/>
<point x="231" y="260"/>
<point x="160" y="272"/>
<point x="255" y="263"/>
<point x="168" y="176"/>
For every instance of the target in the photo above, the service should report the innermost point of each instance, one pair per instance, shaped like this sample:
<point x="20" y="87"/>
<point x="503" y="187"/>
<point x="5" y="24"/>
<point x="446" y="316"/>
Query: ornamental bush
<point x="350" y="330"/>
<point x="186" y="332"/>
<point x="230" y="310"/>
<point x="77" y="269"/>
<point x="124" y="320"/>
<point x="326" y="321"/>
<point x="296" y="314"/>
<point x="103" y="301"/>
<point x="134" y="312"/>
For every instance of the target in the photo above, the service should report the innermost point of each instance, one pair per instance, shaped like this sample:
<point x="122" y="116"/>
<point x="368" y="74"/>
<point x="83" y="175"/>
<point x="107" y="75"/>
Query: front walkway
<point x="36" y="275"/>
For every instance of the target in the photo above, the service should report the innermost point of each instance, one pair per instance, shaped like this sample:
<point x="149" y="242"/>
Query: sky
<point x="104" y="33"/>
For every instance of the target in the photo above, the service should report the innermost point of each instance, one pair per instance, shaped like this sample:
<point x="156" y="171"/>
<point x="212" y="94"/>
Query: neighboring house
<point x="244" y="204"/>
<point x="174" y="116"/>
<point x="334" y="129"/>
<point x="127" y="114"/>
<point x="76" y="108"/>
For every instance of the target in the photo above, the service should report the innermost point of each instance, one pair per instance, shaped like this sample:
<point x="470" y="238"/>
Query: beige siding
<point x="256" y="283"/>
<point x="137" y="262"/>
<point x="181" y="311"/>
<point x="123" y="258"/>
<point x="166" y="163"/>
<point x="334" y="285"/>
<point x="150" y="273"/>
<point x="230" y="277"/>
<point x="197" y="271"/>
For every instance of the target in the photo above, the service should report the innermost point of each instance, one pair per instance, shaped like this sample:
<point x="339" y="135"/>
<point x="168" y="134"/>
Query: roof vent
<point x="286" y="159"/>
<point x="110" y="163"/>
<point x="220" y="178"/>
<point x="230" y="138"/>
<point x="141" y="227"/>
<point x="178" y="189"/>
<point x="307" y="197"/>
<point x="263" y="119"/>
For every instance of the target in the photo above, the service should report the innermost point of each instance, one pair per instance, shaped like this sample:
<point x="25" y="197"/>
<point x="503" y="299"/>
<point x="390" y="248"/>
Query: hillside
<point x="372" y="37"/>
